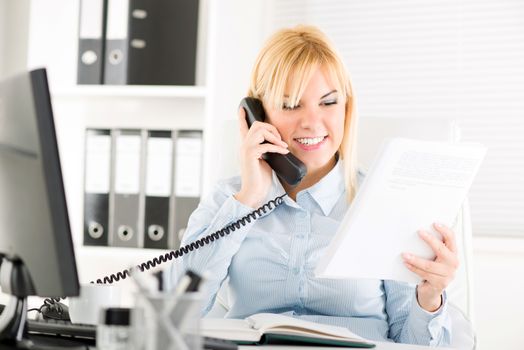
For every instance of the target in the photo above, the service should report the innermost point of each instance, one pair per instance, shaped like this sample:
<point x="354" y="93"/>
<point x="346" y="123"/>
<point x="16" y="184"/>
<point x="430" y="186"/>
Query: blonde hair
<point x="287" y="62"/>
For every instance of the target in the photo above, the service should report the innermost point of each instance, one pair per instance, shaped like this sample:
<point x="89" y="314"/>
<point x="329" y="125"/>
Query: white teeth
<point x="310" y="141"/>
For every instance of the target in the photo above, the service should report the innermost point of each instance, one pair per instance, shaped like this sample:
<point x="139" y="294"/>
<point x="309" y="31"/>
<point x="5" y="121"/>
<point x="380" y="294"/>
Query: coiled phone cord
<point x="174" y="254"/>
<point x="254" y="215"/>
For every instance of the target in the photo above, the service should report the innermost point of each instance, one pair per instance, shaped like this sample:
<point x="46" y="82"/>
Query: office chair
<point x="372" y="131"/>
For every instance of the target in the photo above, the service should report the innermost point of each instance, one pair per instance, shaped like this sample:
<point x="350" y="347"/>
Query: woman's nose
<point x="310" y="117"/>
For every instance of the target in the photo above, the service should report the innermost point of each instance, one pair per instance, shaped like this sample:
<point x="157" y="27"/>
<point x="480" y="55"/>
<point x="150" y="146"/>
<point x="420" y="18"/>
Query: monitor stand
<point x="15" y="280"/>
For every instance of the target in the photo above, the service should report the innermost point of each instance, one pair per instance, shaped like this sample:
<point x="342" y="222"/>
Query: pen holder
<point x="163" y="321"/>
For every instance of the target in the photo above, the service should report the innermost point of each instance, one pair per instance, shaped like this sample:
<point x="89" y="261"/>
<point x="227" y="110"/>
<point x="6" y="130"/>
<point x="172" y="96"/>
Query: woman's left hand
<point x="437" y="274"/>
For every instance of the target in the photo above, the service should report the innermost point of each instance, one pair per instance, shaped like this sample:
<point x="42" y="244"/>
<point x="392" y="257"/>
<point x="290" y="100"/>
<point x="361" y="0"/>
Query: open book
<point x="267" y="328"/>
<point x="410" y="185"/>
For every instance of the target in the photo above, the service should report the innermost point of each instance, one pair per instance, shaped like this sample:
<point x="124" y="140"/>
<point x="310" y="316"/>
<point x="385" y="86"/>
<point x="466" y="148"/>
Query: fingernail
<point x="407" y="256"/>
<point x="423" y="233"/>
<point x="439" y="225"/>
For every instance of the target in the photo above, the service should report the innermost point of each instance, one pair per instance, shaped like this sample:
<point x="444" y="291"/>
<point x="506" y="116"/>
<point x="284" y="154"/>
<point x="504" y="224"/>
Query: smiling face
<point x="299" y="67"/>
<point x="314" y="127"/>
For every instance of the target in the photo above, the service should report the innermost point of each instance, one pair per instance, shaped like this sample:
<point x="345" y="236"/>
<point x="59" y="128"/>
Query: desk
<point x="52" y="341"/>
<point x="380" y="346"/>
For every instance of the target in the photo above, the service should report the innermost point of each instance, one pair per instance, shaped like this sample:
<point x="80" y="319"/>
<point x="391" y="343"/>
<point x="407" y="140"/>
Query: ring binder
<point x="188" y="174"/>
<point x="151" y="42"/>
<point x="158" y="189"/>
<point x="91" y="40"/>
<point x="96" y="187"/>
<point x="126" y="209"/>
<point x="116" y="42"/>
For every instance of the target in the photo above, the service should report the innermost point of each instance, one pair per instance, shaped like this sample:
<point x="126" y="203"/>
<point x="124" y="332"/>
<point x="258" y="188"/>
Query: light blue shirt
<point x="270" y="263"/>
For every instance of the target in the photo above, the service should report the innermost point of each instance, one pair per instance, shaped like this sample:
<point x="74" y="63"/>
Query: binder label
<point x="117" y="19"/>
<point x="91" y="19"/>
<point x="159" y="166"/>
<point x="127" y="166"/>
<point x="97" y="163"/>
<point x="188" y="167"/>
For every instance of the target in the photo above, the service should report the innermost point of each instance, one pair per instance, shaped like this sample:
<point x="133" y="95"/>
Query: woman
<point x="311" y="113"/>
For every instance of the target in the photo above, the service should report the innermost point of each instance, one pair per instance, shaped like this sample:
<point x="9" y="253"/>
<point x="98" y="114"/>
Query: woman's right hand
<point x="255" y="172"/>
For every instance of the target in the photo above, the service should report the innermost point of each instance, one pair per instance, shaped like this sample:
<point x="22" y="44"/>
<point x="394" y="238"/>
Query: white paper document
<point x="410" y="185"/>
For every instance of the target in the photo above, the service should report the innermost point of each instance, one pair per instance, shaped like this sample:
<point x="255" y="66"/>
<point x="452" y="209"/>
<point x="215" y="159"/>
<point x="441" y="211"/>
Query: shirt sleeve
<point x="409" y="323"/>
<point x="214" y="213"/>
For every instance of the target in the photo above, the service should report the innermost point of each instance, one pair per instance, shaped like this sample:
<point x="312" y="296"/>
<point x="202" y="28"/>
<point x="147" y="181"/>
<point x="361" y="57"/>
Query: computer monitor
<point x="36" y="245"/>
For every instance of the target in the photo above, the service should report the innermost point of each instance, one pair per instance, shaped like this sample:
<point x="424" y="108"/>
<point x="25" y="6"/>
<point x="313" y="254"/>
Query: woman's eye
<point x="329" y="102"/>
<point x="289" y="108"/>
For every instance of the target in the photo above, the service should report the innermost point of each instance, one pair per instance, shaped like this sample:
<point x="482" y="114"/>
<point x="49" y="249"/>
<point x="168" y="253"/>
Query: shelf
<point x="138" y="91"/>
<point x="120" y="252"/>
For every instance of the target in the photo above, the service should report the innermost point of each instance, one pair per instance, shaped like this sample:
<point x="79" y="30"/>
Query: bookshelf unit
<point x="226" y="49"/>
<point x="52" y="42"/>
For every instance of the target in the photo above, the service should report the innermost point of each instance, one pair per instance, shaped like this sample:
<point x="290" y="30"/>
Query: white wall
<point x="13" y="43"/>
<point x="499" y="267"/>
<point x="236" y="34"/>
<point x="53" y="40"/>
<point x="3" y="52"/>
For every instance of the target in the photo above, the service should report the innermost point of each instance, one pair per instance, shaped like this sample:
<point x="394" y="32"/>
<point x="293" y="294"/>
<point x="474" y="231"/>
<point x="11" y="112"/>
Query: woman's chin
<point x="314" y="165"/>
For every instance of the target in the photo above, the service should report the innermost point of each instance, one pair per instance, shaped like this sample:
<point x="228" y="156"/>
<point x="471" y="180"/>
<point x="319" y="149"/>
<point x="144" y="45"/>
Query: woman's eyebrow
<point x="329" y="93"/>
<point x="326" y="95"/>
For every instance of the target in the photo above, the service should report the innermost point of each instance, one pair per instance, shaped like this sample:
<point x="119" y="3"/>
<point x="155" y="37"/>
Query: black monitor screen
<point x="34" y="223"/>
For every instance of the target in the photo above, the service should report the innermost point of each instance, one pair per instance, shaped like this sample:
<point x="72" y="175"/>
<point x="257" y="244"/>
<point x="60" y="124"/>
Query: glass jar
<point x="114" y="331"/>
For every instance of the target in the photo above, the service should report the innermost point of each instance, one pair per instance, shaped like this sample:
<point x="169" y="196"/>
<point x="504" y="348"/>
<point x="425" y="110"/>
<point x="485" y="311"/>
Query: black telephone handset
<point x="287" y="166"/>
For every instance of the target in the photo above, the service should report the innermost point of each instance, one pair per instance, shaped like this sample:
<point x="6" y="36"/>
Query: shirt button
<point x="296" y="270"/>
<point x="300" y="236"/>
<point x="302" y="214"/>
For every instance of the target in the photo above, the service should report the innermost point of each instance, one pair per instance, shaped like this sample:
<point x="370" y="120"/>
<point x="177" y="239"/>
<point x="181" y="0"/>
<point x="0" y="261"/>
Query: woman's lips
<point x="310" y="147"/>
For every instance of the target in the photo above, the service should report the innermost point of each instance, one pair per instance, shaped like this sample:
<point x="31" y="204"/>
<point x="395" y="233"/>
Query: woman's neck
<point x="311" y="178"/>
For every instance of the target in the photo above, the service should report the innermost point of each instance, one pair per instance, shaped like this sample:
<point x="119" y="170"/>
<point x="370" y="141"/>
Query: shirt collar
<point x="326" y="192"/>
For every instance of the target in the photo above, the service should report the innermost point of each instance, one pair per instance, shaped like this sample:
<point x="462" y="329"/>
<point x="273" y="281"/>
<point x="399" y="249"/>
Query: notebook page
<point x="274" y="323"/>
